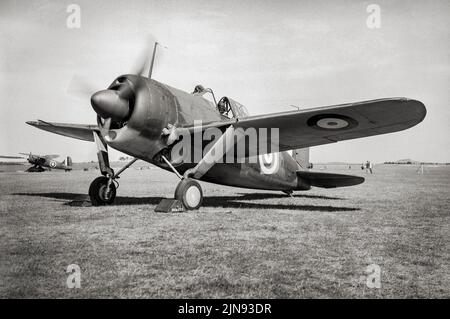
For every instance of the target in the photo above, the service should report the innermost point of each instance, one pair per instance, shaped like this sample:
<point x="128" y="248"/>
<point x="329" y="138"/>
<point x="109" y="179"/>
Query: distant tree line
<point x="416" y="163"/>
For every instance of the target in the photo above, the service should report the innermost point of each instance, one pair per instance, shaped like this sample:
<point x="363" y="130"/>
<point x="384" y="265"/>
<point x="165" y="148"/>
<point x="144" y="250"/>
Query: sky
<point x="267" y="55"/>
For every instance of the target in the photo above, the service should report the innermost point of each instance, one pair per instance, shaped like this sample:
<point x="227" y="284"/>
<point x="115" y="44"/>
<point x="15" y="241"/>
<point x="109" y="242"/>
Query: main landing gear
<point x="102" y="190"/>
<point x="35" y="169"/>
<point x="188" y="192"/>
<point x="101" y="193"/>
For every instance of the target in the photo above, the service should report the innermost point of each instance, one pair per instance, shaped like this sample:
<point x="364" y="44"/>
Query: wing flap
<point x="77" y="131"/>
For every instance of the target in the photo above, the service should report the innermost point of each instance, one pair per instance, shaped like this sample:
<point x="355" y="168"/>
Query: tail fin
<point x="69" y="161"/>
<point x="301" y="155"/>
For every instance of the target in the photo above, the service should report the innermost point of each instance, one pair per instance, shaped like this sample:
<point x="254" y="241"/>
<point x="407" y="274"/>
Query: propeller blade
<point x="150" y="71"/>
<point x="104" y="125"/>
<point x="142" y="62"/>
<point x="80" y="87"/>
<point x="107" y="124"/>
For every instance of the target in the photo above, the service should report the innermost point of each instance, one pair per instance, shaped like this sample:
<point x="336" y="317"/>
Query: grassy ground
<point x="241" y="243"/>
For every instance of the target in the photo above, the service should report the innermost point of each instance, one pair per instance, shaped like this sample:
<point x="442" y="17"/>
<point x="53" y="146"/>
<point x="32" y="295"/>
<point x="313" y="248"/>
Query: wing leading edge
<point x="78" y="131"/>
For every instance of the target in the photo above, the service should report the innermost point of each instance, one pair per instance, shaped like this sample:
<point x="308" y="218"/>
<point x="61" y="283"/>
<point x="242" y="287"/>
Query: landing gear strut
<point x="102" y="190"/>
<point x="188" y="192"/>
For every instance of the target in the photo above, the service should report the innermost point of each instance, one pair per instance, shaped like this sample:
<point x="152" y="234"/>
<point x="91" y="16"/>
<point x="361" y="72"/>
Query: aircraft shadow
<point x="256" y="196"/>
<point x="238" y="201"/>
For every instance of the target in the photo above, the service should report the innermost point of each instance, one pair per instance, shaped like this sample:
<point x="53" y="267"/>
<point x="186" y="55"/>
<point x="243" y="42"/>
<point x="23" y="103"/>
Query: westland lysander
<point x="40" y="163"/>
<point x="152" y="121"/>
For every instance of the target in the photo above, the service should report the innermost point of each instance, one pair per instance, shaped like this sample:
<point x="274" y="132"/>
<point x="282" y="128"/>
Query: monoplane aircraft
<point x="41" y="163"/>
<point x="153" y="121"/>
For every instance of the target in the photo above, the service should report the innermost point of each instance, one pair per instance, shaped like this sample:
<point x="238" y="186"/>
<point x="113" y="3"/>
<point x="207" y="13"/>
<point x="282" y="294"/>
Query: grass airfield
<point x="240" y="244"/>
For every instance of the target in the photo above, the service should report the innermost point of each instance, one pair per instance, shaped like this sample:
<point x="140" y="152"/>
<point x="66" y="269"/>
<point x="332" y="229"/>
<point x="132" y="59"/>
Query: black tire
<point x="190" y="193"/>
<point x="97" y="192"/>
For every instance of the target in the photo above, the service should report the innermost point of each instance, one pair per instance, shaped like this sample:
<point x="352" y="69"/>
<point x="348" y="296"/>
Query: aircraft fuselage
<point x="158" y="106"/>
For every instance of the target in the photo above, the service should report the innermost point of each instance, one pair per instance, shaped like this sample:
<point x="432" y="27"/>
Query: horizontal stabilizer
<point x="329" y="180"/>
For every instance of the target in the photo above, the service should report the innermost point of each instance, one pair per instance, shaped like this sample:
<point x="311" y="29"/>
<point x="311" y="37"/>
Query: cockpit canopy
<point x="226" y="106"/>
<point x="231" y="109"/>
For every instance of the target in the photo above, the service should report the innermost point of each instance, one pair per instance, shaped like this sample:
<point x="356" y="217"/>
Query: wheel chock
<point x="170" y="205"/>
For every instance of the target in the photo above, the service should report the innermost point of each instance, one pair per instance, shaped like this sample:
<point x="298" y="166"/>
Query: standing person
<point x="367" y="166"/>
<point x="370" y="167"/>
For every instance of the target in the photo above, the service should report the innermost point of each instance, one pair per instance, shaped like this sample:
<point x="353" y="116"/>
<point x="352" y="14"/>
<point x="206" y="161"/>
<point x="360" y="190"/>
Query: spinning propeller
<point x="114" y="105"/>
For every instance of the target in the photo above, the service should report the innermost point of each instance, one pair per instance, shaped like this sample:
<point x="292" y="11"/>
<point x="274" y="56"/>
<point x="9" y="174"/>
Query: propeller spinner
<point x="109" y="104"/>
<point x="115" y="103"/>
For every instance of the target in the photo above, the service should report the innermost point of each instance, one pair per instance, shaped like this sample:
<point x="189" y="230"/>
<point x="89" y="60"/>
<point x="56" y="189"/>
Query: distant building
<point x="404" y="161"/>
<point x="413" y="162"/>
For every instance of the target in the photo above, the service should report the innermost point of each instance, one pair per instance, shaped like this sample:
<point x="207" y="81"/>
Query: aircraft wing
<point x="78" y="131"/>
<point x="329" y="124"/>
<point x="303" y="128"/>
<point x="51" y="156"/>
<point x="12" y="157"/>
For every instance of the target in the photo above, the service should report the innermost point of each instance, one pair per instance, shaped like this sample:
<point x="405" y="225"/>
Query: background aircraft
<point x="40" y="163"/>
<point x="145" y="119"/>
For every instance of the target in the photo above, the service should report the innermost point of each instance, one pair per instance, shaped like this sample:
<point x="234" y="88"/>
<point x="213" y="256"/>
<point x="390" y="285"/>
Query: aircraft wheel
<point x="189" y="192"/>
<point x="97" y="192"/>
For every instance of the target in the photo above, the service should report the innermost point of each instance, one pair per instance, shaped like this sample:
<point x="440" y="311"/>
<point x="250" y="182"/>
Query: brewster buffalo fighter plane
<point x="152" y="121"/>
<point x="41" y="162"/>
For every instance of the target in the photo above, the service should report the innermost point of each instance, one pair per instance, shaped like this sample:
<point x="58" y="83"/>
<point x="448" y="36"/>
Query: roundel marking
<point x="52" y="164"/>
<point x="269" y="163"/>
<point x="332" y="122"/>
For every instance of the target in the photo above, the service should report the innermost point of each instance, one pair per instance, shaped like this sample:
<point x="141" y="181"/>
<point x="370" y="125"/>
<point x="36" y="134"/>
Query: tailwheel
<point x="189" y="192"/>
<point x="100" y="193"/>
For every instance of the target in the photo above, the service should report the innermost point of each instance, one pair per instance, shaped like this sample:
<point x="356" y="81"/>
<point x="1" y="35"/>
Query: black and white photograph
<point x="235" y="151"/>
